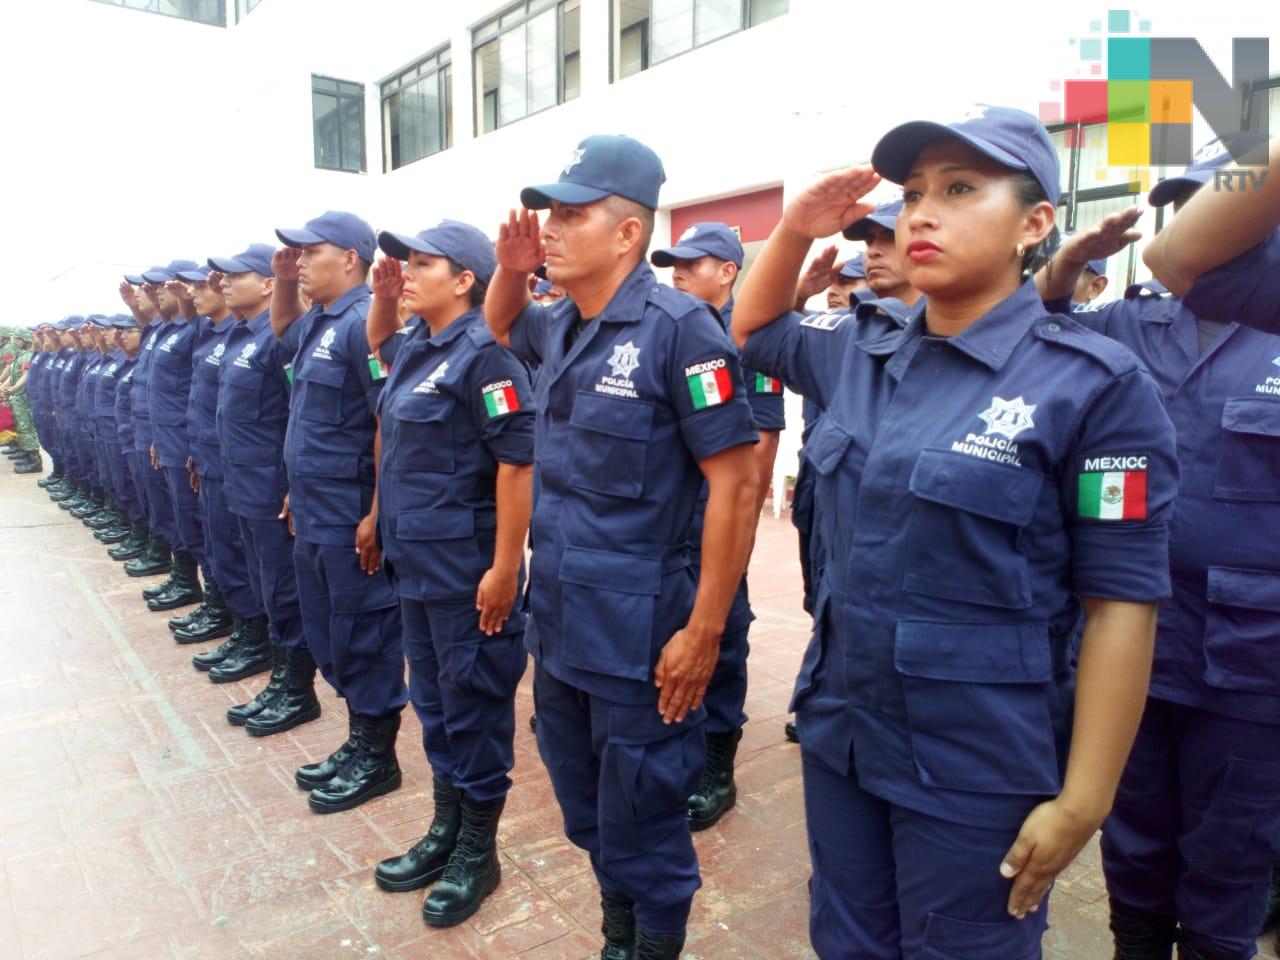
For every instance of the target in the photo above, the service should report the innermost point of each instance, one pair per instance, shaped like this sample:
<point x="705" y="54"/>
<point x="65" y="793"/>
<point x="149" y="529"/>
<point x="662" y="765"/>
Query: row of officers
<point x="1039" y="532"/>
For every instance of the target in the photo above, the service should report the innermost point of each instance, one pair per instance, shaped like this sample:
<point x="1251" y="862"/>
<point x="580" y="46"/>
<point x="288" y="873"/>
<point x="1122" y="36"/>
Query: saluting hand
<point x="519" y="246"/>
<point x="128" y="295"/>
<point x="495" y="597"/>
<point x="367" y="544"/>
<point x="1105" y="238"/>
<point x="684" y="669"/>
<point x="388" y="279"/>
<point x="284" y="264"/>
<point x="831" y="204"/>
<point x="1050" y="838"/>
<point x="821" y="273"/>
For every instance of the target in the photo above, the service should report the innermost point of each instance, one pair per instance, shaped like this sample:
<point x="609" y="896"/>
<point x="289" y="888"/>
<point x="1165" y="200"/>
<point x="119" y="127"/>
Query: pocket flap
<point x="993" y="490"/>
<point x="251" y="455"/>
<point x="1256" y="415"/>
<point x="623" y="572"/>
<point x="1251" y="589"/>
<point x="326" y="465"/>
<point x="973" y="652"/>
<point x="423" y="409"/>
<point x="615" y="416"/>
<point x="826" y="447"/>
<point x="445" y="523"/>
<point x="643" y="724"/>
<point x="326" y="372"/>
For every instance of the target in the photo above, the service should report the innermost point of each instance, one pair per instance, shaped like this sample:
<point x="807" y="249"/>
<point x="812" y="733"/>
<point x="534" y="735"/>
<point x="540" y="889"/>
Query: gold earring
<point x="1020" y="250"/>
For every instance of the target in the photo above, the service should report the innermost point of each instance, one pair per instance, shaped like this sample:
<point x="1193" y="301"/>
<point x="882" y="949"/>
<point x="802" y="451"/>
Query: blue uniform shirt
<point x="328" y="448"/>
<point x="650" y="387"/>
<point x="141" y="399"/>
<point x="454" y="407"/>
<point x="202" y="403"/>
<point x="1245" y="290"/>
<point x="1216" y="639"/>
<point x="104" y="397"/>
<point x="124" y="403"/>
<point x="253" y="414"/>
<point x="971" y="484"/>
<point x="170" y="386"/>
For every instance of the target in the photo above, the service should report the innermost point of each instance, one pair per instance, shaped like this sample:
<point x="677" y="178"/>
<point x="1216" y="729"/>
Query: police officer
<point x="639" y="396"/>
<point x="69" y="416"/>
<point x="140" y="538"/>
<point x="118" y="436"/>
<point x="999" y="480"/>
<point x="706" y="261"/>
<point x="454" y="499"/>
<point x="350" y="609"/>
<point x="1093" y="281"/>
<point x="850" y="278"/>
<point x="101" y="397"/>
<point x="69" y="486"/>
<point x="1188" y="849"/>
<point x="253" y="412"/>
<point x="90" y="359"/>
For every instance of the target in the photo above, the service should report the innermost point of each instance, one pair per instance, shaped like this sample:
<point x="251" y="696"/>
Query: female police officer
<point x="455" y="492"/>
<point x="1001" y="479"/>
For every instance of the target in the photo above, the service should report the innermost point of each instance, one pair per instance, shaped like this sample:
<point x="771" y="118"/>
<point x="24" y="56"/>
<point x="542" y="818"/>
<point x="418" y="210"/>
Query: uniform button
<point x="656" y="288"/>
<point x="1054" y="328"/>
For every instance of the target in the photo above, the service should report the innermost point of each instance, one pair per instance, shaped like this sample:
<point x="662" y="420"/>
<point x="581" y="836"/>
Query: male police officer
<point x="639" y="397"/>
<point x="350" y="608"/>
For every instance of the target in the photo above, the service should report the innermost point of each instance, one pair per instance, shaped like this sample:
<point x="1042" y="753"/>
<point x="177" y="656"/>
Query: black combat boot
<point x="78" y="497"/>
<point x="251" y="655"/>
<point x="618" y="926"/>
<point x="372" y="771"/>
<point x="423" y="863"/>
<point x="31" y="463"/>
<point x="649" y="947"/>
<point x="1273" y="901"/>
<point x="1141" y="936"/>
<point x="312" y="775"/>
<point x="93" y="504"/>
<point x="66" y="489"/>
<point x="214" y="622"/>
<point x="185" y="589"/>
<point x="208" y="659"/>
<point x="241" y="712"/>
<point x="474" y="870"/>
<point x="156" y="559"/>
<point x="54" y="478"/>
<point x="134" y="545"/>
<point x="296" y="701"/>
<point x="717" y="792"/>
<point x="117" y="531"/>
<point x="106" y="517"/>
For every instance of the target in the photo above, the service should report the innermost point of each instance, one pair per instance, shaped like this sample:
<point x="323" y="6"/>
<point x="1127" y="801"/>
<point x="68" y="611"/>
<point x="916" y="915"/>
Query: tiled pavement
<point x="136" y="824"/>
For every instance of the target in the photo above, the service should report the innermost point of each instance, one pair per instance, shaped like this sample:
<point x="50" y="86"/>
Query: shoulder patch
<point x="827" y="322"/>
<point x="1073" y="335"/>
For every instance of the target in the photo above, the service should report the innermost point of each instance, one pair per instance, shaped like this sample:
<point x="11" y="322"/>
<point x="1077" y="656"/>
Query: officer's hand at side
<point x="287" y="515"/>
<point x="819" y="275"/>
<point x="367" y="544"/>
<point x="831" y="204"/>
<point x="155" y="460"/>
<point x="495" y="597"/>
<point x="519" y="246"/>
<point x="684" y="669"/>
<point x="388" y="279"/>
<point x="284" y="264"/>
<point x="1104" y="239"/>
<point x="1050" y="838"/>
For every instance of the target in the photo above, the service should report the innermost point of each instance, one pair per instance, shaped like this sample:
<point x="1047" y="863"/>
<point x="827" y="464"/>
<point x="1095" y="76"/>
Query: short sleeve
<point x="804" y="351"/>
<point x="371" y="371"/>
<point x="1118" y="493"/>
<point x="390" y="348"/>
<point x="529" y="332"/>
<point x="1245" y="290"/>
<point x="500" y="401"/>
<point x="768" y="403"/>
<point x="706" y="387"/>
<point x="294" y="334"/>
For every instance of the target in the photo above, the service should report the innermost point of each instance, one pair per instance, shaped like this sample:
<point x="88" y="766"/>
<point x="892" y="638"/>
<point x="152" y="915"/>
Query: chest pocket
<point x="964" y="537"/>
<point x="825" y="450"/>
<point x="424" y="433"/>
<point x="240" y="394"/>
<point x="611" y="444"/>
<point x="1249" y="460"/>
<point x="320" y="390"/>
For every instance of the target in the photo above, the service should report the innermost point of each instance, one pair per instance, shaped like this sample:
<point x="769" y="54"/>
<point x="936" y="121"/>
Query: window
<point x="526" y="60"/>
<point x="417" y="116"/>
<point x="649" y="31"/>
<point x="245" y="7"/>
<point x="337" y="117"/>
<point x="212" y="12"/>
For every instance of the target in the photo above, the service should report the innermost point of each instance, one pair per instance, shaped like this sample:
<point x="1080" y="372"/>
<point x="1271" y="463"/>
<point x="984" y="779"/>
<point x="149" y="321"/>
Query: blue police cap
<point x="256" y="259"/>
<point x="345" y="231"/>
<point x="123" y="321"/>
<point x="97" y="320"/>
<point x="1012" y="138"/>
<point x="1213" y="156"/>
<point x="170" y="272"/>
<point x="460" y="242"/>
<point x="707" y="239"/>
<point x="194" y="275"/>
<point x="853" y="269"/>
<point x="1153" y="286"/>
<point x="136" y="279"/>
<point x="886" y="215"/>
<point x="603" y="166"/>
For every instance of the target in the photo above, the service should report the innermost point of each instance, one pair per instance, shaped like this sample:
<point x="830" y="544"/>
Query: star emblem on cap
<point x="1008" y="418"/>
<point x="574" y="160"/>
<point x="625" y="359"/>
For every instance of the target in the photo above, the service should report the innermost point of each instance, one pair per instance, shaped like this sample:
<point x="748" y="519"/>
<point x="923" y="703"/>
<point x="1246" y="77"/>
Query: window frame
<point x="249" y="5"/>
<point x="340" y="95"/>
<point x="479" y="94"/>
<point x="646" y="41"/>
<point x="222" y="12"/>
<point x="443" y="72"/>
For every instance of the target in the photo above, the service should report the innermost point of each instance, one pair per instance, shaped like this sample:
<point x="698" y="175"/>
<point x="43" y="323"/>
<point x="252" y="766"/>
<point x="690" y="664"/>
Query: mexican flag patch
<point x="377" y="369"/>
<point x="767" y="384"/>
<point x="288" y="373"/>
<point x="500" y="398"/>
<point x="1114" y="488"/>
<point x="709" y="383"/>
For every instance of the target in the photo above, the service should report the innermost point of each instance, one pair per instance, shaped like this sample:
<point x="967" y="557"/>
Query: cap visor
<point x="668" y="256"/>
<point x="192" y="276"/>
<point x="299" y="237"/>
<point x="861" y="229"/>
<point x="1166" y="191"/>
<point x="898" y="149"/>
<point x="229" y="265"/>
<point x="539" y="198"/>
<point x="399" y="246"/>
<point x="156" y="277"/>
<point x="135" y="279"/>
